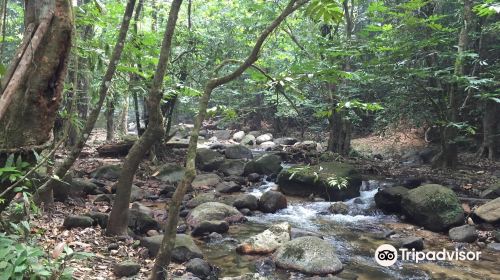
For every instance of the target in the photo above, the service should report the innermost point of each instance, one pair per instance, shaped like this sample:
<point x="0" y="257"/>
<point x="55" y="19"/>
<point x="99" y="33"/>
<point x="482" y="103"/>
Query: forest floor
<point x="469" y="180"/>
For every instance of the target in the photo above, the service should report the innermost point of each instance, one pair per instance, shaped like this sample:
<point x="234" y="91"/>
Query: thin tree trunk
<point x="110" y="114"/>
<point x="103" y="90"/>
<point x="118" y="219"/>
<point x="339" y="140"/>
<point x="448" y="156"/>
<point x="164" y="255"/>
<point x="123" y="121"/>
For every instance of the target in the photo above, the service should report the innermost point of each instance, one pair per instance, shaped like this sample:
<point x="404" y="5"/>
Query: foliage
<point x="23" y="259"/>
<point x="337" y="182"/>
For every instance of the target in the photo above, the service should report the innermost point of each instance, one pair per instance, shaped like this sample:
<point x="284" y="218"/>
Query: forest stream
<point x="355" y="236"/>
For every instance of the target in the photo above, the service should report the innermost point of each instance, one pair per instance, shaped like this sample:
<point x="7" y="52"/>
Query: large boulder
<point x="208" y="160"/>
<point x="264" y="138"/>
<point x="302" y="180"/>
<point x="184" y="249"/>
<point x="272" y="201"/>
<point x="234" y="167"/>
<point x="248" y="140"/>
<point x="267" y="241"/>
<point x="171" y="173"/>
<point x="490" y="211"/>
<point x="433" y="206"/>
<point x="389" y="199"/>
<point x="310" y="255"/>
<point x="238" y="152"/>
<point x="108" y="172"/>
<point x="213" y="211"/>
<point x="267" y="164"/>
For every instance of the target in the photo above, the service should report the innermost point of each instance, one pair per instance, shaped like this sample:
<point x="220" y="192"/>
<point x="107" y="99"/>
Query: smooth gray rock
<point x="199" y="268"/>
<point x="310" y="255"/>
<point x="126" y="269"/>
<point x="185" y="248"/>
<point x="465" y="233"/>
<point x="77" y="221"/>
<point x="490" y="211"/>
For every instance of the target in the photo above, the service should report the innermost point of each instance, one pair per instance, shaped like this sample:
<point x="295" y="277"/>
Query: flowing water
<point x="355" y="237"/>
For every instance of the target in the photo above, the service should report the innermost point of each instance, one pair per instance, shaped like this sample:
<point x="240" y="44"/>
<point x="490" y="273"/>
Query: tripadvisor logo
<point x="387" y="255"/>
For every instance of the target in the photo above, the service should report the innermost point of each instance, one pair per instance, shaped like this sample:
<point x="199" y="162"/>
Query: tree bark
<point x="103" y="90"/>
<point x="164" y="255"/>
<point x="448" y="156"/>
<point x="118" y="219"/>
<point x="32" y="88"/>
<point x="110" y="122"/>
<point x="339" y="140"/>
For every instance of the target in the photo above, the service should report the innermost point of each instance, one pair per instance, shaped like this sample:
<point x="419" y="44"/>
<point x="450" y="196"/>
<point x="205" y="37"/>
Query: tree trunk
<point x="103" y="90"/>
<point x="168" y="242"/>
<point x="110" y="114"/>
<point x="491" y="131"/>
<point x="448" y="156"/>
<point x="339" y="140"/>
<point x="118" y="219"/>
<point x="32" y="86"/>
<point x="123" y="124"/>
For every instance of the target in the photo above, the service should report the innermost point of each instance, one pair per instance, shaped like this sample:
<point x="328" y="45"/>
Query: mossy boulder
<point x="302" y="180"/>
<point x="267" y="241"/>
<point x="310" y="255"/>
<point x="171" y="173"/>
<point x="433" y="206"/>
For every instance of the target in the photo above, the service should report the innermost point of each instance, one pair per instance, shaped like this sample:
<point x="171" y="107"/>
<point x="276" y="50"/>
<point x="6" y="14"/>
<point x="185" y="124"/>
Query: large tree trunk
<point x="168" y="242"/>
<point x="103" y="90"/>
<point x="118" y="219"/>
<point x="35" y="81"/>
<point x="32" y="86"/>
<point x="448" y="156"/>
